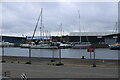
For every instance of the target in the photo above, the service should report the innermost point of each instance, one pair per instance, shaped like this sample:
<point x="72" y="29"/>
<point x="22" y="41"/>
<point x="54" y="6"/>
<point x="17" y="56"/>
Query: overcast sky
<point x="20" y="18"/>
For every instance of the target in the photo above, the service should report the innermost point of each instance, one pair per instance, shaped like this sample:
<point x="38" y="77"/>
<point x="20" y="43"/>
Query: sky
<point x="19" y="18"/>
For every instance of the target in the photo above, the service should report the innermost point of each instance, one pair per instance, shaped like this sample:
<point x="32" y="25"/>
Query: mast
<point x="41" y="24"/>
<point x="116" y="27"/>
<point x="37" y="24"/>
<point x="79" y="23"/>
<point x="43" y="31"/>
<point x="116" y="32"/>
<point x="61" y="32"/>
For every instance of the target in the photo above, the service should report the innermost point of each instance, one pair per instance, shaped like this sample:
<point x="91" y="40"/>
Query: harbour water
<point x="101" y="53"/>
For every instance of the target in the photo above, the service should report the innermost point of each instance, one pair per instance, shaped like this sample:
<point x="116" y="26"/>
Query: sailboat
<point x="115" y="46"/>
<point x="39" y="44"/>
<point x="80" y="44"/>
<point x="62" y="44"/>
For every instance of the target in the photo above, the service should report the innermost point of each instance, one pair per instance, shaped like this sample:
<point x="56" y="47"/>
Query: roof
<point x="90" y="33"/>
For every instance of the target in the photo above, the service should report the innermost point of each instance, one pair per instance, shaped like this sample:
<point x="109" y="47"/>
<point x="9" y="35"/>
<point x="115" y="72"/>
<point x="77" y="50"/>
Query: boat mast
<point x="116" y="27"/>
<point x="36" y="25"/>
<point x="61" y="32"/>
<point x="79" y="24"/>
<point x="116" y="32"/>
<point x="41" y="24"/>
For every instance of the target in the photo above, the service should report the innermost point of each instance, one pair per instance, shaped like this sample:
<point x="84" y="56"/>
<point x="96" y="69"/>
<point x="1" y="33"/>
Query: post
<point x="29" y="62"/>
<point x="30" y="54"/>
<point x="60" y="55"/>
<point x="90" y="56"/>
<point x="53" y="54"/>
<point x="94" y="63"/>
<point x="60" y="63"/>
<point x="2" y="51"/>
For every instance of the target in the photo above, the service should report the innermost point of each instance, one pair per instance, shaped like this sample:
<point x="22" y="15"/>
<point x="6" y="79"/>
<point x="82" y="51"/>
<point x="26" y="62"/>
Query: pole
<point x="60" y="62"/>
<point x="41" y="24"/>
<point x="53" y="54"/>
<point x="116" y="33"/>
<point x="29" y="62"/>
<point x="90" y="55"/>
<point x="36" y="26"/>
<point x="3" y="54"/>
<point x="60" y="55"/>
<point x="94" y="63"/>
<point x="79" y="25"/>
<point x="30" y="54"/>
<point x="61" y="32"/>
<point x="2" y="51"/>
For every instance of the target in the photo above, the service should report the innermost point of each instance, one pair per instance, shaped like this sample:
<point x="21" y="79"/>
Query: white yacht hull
<point x="43" y="47"/>
<point x="81" y="46"/>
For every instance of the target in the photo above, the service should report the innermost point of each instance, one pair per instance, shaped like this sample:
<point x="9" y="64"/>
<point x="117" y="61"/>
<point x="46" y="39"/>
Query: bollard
<point x="52" y="60"/>
<point x="5" y="74"/>
<point x="83" y="57"/>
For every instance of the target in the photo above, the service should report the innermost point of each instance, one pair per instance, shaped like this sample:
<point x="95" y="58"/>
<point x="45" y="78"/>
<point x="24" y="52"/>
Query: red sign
<point x="90" y="50"/>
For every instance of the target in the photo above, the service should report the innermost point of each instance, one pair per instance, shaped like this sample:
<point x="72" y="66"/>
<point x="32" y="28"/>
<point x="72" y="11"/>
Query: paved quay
<point x="73" y="68"/>
<point x="66" y="61"/>
<point x="50" y="71"/>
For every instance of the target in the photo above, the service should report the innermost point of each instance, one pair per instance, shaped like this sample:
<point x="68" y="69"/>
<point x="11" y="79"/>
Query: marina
<point x="59" y="40"/>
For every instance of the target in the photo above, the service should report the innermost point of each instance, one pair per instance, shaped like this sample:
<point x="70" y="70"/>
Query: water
<point x="101" y="53"/>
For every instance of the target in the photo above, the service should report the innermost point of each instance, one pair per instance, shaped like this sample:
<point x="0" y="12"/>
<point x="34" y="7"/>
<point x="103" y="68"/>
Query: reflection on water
<point x="101" y="53"/>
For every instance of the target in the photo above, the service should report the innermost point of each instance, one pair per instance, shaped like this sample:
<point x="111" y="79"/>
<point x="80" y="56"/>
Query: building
<point x="90" y="33"/>
<point x="112" y="39"/>
<point x="93" y="37"/>
<point x="13" y="39"/>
